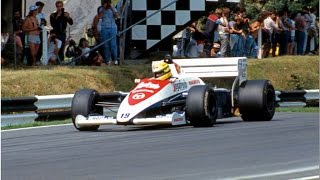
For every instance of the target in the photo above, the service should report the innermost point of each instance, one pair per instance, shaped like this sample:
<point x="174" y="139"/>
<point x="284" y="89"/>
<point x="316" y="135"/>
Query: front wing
<point x="174" y="119"/>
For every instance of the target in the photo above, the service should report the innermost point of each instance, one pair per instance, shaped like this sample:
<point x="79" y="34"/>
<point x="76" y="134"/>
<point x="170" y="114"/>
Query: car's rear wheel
<point x="257" y="100"/>
<point x="201" y="106"/>
<point x="83" y="103"/>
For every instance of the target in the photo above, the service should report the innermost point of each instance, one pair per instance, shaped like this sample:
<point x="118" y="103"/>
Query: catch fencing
<point x="58" y="107"/>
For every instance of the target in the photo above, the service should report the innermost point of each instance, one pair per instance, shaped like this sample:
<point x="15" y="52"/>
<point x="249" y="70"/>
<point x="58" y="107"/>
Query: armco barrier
<point x="30" y="109"/>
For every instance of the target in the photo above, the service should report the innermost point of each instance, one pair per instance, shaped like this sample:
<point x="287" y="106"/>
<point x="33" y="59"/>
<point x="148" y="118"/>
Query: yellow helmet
<point x="161" y="70"/>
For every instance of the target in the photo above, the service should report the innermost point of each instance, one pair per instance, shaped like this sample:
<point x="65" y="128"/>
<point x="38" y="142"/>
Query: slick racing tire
<point x="201" y="106"/>
<point x="257" y="100"/>
<point x="83" y="103"/>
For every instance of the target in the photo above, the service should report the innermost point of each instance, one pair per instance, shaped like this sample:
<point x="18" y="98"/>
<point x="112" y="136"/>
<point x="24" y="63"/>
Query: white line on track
<point x="279" y="173"/>
<point x="307" y="178"/>
<point x="38" y="127"/>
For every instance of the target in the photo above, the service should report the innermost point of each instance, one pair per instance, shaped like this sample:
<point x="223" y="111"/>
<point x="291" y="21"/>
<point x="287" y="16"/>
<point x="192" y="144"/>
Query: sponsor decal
<point x="95" y="118"/>
<point x="192" y="82"/>
<point x="145" y="89"/>
<point x="138" y="96"/>
<point x="178" y="120"/>
<point x="180" y="86"/>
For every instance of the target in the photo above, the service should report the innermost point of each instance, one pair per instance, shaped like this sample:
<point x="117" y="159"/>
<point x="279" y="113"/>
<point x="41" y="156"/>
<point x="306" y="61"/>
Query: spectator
<point x="42" y="22"/>
<point x="31" y="27"/>
<point x="270" y="26"/>
<point x="277" y="36"/>
<point x="308" y="20"/>
<point x="313" y="30"/>
<point x="251" y="40"/>
<point x="89" y="58"/>
<point x="17" y="25"/>
<point x="84" y="46"/>
<point x="17" y="28"/>
<point x="212" y="23"/>
<point x="285" y="24"/>
<point x="178" y="49"/>
<point x="300" y="31"/>
<point x="89" y="35"/>
<point x="40" y="16"/>
<point x="96" y="27"/>
<point x="223" y="30"/>
<point x="236" y="33"/>
<point x="4" y="39"/>
<point x="59" y="21"/>
<point x="215" y="51"/>
<point x="54" y="45"/>
<point x="108" y="30"/>
<point x="191" y="50"/>
<point x="291" y="40"/>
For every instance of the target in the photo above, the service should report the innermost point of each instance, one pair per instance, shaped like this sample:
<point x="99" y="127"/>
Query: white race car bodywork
<point x="183" y="99"/>
<point x="148" y="94"/>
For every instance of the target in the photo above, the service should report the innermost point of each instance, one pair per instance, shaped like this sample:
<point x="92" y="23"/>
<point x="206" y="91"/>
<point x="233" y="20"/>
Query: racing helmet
<point x="161" y="70"/>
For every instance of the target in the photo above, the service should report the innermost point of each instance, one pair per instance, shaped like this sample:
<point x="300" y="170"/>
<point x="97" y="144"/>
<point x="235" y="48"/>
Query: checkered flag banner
<point x="164" y="24"/>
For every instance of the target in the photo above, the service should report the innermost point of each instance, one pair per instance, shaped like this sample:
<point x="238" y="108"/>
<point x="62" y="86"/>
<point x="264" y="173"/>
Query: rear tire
<point x="201" y="106"/>
<point x="257" y="100"/>
<point x="83" y="103"/>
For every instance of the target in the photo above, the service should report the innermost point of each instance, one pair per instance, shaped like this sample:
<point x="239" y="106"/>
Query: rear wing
<point x="215" y="67"/>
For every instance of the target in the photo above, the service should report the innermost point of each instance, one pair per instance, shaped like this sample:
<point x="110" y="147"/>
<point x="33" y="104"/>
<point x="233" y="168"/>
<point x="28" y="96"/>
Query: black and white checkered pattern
<point x="163" y="24"/>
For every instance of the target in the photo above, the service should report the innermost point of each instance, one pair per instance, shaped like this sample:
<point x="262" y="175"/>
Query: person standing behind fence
<point x="42" y="22"/>
<point x="17" y="28"/>
<point x="31" y="27"/>
<point x="54" y="45"/>
<point x="270" y="26"/>
<point x="59" y="21"/>
<point x="96" y="27"/>
<point x="223" y="30"/>
<point x="108" y="30"/>
<point x="300" y="31"/>
<point x="313" y="31"/>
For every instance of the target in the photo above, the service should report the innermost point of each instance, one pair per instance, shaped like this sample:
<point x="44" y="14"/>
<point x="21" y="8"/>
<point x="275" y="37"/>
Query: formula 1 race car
<point x="176" y="95"/>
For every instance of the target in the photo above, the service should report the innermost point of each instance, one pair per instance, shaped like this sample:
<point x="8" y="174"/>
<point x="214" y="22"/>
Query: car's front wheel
<point x="84" y="103"/>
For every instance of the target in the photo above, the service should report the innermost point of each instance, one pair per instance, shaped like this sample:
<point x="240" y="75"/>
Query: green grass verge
<point x="298" y="109"/>
<point x="286" y="73"/>
<point x="38" y="123"/>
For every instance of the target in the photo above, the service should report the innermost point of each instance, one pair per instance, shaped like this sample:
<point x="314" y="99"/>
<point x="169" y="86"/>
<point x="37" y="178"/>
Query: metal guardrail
<point x="30" y="109"/>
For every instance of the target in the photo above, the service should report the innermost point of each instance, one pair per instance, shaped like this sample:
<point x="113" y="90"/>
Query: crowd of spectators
<point x="223" y="33"/>
<point x="28" y="36"/>
<point x="236" y="35"/>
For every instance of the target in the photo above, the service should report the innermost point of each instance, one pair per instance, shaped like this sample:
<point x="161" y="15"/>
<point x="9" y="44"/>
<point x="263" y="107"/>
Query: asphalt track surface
<point x="285" y="148"/>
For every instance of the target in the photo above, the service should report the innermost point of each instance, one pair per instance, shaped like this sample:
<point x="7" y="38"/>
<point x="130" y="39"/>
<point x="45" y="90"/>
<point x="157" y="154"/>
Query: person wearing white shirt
<point x="270" y="25"/>
<point x="223" y="30"/>
<point x="40" y="16"/>
<point x="54" y="45"/>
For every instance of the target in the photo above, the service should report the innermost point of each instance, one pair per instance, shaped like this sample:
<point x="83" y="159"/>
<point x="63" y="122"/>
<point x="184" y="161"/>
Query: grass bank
<point x="286" y="73"/>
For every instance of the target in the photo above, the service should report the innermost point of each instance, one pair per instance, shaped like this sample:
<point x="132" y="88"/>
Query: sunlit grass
<point x="298" y="109"/>
<point x="286" y="73"/>
<point x="36" y="124"/>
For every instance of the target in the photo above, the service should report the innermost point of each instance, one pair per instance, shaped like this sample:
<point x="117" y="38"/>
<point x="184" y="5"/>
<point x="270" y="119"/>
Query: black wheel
<point x="83" y="103"/>
<point x="201" y="106"/>
<point x="257" y="100"/>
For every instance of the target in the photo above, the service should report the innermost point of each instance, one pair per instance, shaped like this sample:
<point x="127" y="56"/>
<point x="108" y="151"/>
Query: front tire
<point x="257" y="100"/>
<point x="83" y="103"/>
<point x="201" y="106"/>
